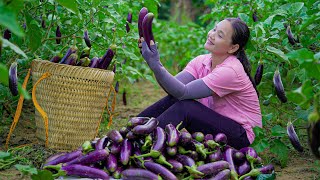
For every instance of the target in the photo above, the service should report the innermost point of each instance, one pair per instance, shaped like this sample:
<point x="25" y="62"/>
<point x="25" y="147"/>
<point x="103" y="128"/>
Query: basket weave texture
<point x="74" y="98"/>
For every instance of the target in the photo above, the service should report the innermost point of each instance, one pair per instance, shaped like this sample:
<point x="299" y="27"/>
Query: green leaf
<point x="295" y="7"/>
<point x="278" y="131"/>
<point x="71" y="5"/>
<point x="5" y="155"/>
<point x="244" y="17"/>
<point x="152" y="7"/>
<point x="317" y="56"/>
<point x="281" y="150"/>
<point x="260" y="145"/>
<point x="34" y="35"/>
<point x="300" y="55"/>
<point x="8" y="19"/>
<point x="26" y="169"/>
<point x="4" y="77"/>
<point x="42" y="174"/>
<point x="278" y="52"/>
<point x="6" y="43"/>
<point x="271" y="176"/>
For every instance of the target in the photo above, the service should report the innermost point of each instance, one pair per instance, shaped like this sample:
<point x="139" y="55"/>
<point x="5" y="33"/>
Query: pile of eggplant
<point x="143" y="150"/>
<point x="75" y="58"/>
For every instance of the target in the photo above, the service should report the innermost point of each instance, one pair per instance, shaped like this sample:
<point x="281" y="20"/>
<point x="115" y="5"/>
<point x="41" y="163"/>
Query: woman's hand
<point x="151" y="56"/>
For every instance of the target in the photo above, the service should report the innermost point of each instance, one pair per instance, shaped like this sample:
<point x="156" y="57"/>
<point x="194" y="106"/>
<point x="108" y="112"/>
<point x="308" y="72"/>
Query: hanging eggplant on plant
<point x="259" y="72"/>
<point x="129" y="20"/>
<point x="7" y="34"/>
<point x="58" y="35"/>
<point x="86" y="38"/>
<point x="314" y="129"/>
<point x="254" y="16"/>
<point x="293" y="137"/>
<point x="13" y="79"/>
<point x="291" y="39"/>
<point x="279" y="86"/>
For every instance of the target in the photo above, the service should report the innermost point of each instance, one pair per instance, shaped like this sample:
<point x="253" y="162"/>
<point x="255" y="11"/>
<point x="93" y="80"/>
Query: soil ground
<point x="139" y="96"/>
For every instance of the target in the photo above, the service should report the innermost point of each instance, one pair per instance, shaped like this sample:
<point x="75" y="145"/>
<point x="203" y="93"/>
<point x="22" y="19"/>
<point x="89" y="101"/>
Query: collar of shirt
<point x="207" y="61"/>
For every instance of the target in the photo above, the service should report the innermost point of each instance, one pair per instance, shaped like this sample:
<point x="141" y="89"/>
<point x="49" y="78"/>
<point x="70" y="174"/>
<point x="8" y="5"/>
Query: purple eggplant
<point x="176" y="166"/>
<point x="115" y="148"/>
<point x="238" y="157"/>
<point x="243" y="168"/>
<point x="199" y="136"/>
<point x="293" y="137"/>
<point x="159" y="144"/>
<point x="43" y="22"/>
<point x="7" y="34"/>
<point x="222" y="175"/>
<point x="71" y="50"/>
<point x="86" y="38"/>
<point x="258" y="75"/>
<point x="106" y="59"/>
<point x="137" y="121"/>
<point x="138" y="174"/>
<point x="94" y="62"/>
<point x="194" y="155"/>
<point x="82" y="171"/>
<point x="130" y="135"/>
<point x="213" y="167"/>
<point x="90" y="158"/>
<point x="146" y="128"/>
<point x="143" y="12"/>
<point x="221" y="139"/>
<point x="124" y="97"/>
<point x="161" y="170"/>
<point x="228" y="156"/>
<point x="147" y="28"/>
<point x="55" y="59"/>
<point x="123" y="131"/>
<point x="72" y="59"/>
<point x="208" y="137"/>
<point x="254" y="16"/>
<point x="184" y="137"/>
<point x="102" y="143"/>
<point x="125" y="153"/>
<point x="65" y="158"/>
<point x="116" y="88"/>
<point x="111" y="163"/>
<point x="114" y="68"/>
<point x="291" y="39"/>
<point x="216" y="156"/>
<point x="250" y="154"/>
<point x="171" y="151"/>
<point x="115" y="136"/>
<point x="58" y="35"/>
<point x="13" y="79"/>
<point x="279" y="86"/>
<point x="190" y="164"/>
<point x="172" y="134"/>
<point x="129" y="20"/>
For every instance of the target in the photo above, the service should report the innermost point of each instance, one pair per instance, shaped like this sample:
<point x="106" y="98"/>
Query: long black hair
<point x="241" y="34"/>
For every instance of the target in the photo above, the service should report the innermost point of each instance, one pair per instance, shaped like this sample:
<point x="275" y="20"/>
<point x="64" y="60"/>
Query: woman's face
<point x="219" y="39"/>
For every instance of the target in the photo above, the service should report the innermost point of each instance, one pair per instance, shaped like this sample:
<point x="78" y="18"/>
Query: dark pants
<point x="196" y="117"/>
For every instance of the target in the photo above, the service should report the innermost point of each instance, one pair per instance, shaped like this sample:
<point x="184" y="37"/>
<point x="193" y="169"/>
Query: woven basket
<point x="74" y="98"/>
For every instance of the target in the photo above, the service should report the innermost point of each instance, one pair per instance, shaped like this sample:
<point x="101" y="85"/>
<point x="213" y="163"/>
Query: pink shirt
<point x="235" y="96"/>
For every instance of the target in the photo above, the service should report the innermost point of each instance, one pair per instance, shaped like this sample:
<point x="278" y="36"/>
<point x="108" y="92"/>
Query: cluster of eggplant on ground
<point x="144" y="150"/>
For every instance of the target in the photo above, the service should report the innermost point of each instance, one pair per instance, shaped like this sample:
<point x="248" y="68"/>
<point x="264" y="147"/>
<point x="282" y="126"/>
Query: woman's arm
<point x="193" y="90"/>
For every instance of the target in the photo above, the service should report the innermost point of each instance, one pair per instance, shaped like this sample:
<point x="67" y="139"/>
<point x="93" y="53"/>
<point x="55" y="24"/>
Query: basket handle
<point x="111" y="113"/>
<point x="18" y="110"/>
<point x="36" y="104"/>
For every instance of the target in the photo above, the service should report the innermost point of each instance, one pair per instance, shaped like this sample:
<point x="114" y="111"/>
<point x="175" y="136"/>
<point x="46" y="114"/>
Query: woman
<point x="226" y="96"/>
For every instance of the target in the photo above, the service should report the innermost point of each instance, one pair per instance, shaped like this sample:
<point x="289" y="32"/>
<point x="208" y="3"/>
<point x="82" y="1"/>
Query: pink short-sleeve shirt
<point x="235" y="96"/>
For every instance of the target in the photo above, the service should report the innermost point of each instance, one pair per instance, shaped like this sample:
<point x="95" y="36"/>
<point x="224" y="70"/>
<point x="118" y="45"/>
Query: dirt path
<point x="140" y="96"/>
